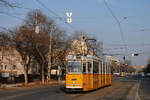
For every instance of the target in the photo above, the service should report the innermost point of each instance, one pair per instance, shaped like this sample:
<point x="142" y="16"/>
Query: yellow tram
<point x="87" y="72"/>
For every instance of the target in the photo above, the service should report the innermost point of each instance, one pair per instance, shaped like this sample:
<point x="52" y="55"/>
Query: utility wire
<point x="119" y="25"/>
<point x="51" y="11"/>
<point x="12" y="15"/>
<point x="3" y="28"/>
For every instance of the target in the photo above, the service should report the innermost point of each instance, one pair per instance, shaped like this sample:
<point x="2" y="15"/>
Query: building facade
<point x="11" y="63"/>
<point x="115" y="62"/>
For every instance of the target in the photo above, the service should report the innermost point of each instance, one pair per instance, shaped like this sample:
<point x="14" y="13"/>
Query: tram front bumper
<point x="74" y="86"/>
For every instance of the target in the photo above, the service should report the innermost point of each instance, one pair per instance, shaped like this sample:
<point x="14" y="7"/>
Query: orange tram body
<point x="87" y="73"/>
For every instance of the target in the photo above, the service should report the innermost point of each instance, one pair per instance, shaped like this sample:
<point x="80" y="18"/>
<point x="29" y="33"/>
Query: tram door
<point x="100" y="72"/>
<point x="103" y="74"/>
<point x="87" y="76"/>
<point x="90" y="74"/>
<point x="95" y="74"/>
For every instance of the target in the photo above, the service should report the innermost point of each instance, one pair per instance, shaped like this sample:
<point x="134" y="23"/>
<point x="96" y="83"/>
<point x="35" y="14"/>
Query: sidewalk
<point x="31" y="84"/>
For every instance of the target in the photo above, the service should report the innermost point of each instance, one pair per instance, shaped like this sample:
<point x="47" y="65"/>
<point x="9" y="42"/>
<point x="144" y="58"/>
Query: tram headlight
<point x="73" y="82"/>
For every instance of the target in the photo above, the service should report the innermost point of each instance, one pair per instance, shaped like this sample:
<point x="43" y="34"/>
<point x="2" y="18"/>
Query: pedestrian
<point x="59" y="74"/>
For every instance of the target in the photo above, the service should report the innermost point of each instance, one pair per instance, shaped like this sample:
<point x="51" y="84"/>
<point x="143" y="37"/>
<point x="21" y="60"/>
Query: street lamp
<point x="50" y="53"/>
<point x="37" y="30"/>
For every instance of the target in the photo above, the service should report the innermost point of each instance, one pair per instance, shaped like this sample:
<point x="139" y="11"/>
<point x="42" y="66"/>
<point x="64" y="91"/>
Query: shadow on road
<point x="67" y="91"/>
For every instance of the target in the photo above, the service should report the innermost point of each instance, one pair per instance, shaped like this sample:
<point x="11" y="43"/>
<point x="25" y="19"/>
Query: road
<point x="118" y="91"/>
<point x="144" y="89"/>
<point x="44" y="93"/>
<point x="121" y="89"/>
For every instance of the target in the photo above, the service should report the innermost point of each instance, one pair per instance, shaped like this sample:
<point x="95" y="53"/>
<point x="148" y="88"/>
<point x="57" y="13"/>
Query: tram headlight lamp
<point x="73" y="82"/>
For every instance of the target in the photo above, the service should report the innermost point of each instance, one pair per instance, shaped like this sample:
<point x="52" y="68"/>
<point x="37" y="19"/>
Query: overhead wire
<point x="4" y="13"/>
<point x="43" y="5"/>
<point x="119" y="25"/>
<point x="52" y="12"/>
<point x="3" y="28"/>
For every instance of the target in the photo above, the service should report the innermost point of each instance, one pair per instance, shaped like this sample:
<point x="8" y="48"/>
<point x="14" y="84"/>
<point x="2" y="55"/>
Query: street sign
<point x="69" y="14"/>
<point x="69" y="19"/>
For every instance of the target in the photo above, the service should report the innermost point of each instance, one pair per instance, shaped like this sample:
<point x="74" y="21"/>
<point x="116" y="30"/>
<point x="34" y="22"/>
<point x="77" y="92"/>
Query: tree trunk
<point x="43" y="78"/>
<point x="42" y="67"/>
<point x="25" y="76"/>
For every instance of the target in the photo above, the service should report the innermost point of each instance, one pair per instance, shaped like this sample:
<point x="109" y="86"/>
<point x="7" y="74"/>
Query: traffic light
<point x="135" y="54"/>
<point x="124" y="58"/>
<point x="83" y="37"/>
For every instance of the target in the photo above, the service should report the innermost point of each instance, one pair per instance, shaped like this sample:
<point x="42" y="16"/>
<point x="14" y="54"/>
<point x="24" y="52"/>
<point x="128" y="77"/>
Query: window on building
<point x="5" y="67"/>
<point x="1" y="67"/>
<point x="14" y="66"/>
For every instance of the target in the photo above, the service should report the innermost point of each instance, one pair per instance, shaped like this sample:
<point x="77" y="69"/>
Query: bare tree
<point x="131" y="69"/>
<point x="59" y="47"/>
<point x="147" y="68"/>
<point x="5" y="41"/>
<point x="31" y="45"/>
<point x="37" y="18"/>
<point x="36" y="46"/>
<point x="24" y="42"/>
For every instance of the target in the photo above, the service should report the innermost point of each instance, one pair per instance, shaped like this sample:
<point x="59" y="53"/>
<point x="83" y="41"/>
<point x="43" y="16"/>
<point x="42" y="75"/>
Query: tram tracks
<point x="118" y="91"/>
<point x="94" y="93"/>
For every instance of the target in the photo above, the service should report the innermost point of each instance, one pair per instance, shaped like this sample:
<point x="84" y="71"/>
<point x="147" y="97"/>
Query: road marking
<point x="137" y="92"/>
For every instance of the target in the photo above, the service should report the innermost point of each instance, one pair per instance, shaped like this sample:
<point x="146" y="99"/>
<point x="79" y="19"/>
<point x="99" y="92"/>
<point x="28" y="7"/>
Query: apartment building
<point x="11" y="63"/>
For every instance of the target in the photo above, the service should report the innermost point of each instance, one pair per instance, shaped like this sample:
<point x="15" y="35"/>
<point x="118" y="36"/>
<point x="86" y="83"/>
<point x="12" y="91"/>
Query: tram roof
<point x="77" y="57"/>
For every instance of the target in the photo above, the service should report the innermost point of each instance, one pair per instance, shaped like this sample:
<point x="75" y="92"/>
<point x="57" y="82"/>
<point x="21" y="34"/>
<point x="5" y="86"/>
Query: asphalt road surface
<point x="144" y="89"/>
<point x="121" y="89"/>
<point x="44" y="93"/>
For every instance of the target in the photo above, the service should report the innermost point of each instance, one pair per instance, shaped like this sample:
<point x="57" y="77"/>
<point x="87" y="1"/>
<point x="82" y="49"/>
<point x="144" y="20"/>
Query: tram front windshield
<point x="74" y="66"/>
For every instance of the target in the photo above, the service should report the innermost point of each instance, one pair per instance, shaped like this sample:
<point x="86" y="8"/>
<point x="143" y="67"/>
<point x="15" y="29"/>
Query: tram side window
<point x="103" y="68"/>
<point x="106" y="68"/>
<point x="109" y="70"/>
<point x="100" y="66"/>
<point x="89" y="67"/>
<point x="95" y="67"/>
<point x="84" y="67"/>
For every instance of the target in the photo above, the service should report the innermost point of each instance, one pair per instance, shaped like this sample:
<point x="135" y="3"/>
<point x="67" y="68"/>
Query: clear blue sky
<point x="92" y="17"/>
